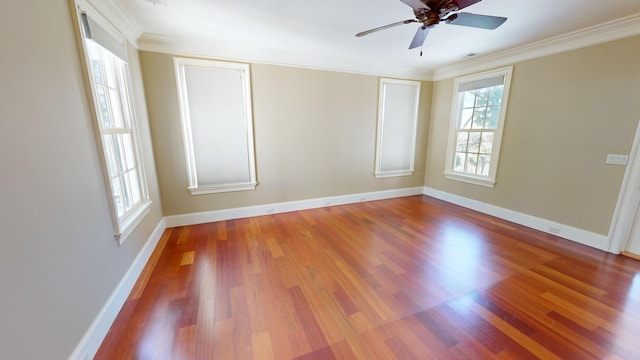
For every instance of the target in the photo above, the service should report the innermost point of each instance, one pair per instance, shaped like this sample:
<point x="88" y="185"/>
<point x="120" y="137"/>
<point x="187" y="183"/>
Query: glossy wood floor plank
<point x="408" y="278"/>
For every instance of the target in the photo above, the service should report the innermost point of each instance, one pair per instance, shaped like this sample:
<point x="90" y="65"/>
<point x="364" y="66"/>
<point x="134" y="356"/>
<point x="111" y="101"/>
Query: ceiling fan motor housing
<point x="450" y="7"/>
<point x="431" y="16"/>
<point x="428" y="18"/>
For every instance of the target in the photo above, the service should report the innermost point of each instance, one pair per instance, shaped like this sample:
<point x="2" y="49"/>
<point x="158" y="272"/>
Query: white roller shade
<point x="480" y="84"/>
<point x="92" y="30"/>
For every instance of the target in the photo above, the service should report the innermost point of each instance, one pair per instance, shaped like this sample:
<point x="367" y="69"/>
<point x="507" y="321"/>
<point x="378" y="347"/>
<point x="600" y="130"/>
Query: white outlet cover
<point x="615" y="159"/>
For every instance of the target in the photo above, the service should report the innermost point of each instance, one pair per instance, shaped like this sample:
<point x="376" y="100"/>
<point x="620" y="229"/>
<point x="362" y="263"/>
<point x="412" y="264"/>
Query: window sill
<point x="486" y="182"/>
<point x="131" y="222"/>
<point x="387" y="174"/>
<point x="222" y="188"/>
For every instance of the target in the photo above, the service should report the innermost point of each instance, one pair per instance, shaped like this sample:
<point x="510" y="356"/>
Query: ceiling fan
<point x="430" y="12"/>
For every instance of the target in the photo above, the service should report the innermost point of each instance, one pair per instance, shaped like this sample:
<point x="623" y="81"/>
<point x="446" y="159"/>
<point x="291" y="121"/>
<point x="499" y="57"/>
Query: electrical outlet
<point x="615" y="159"/>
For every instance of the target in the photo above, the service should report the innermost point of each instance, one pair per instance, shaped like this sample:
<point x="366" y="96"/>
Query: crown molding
<point x="228" y="52"/>
<point x="115" y="13"/>
<point x="593" y="35"/>
<point x="118" y="17"/>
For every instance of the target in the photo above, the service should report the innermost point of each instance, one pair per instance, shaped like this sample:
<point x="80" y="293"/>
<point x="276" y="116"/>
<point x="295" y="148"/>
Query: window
<point x="217" y="125"/>
<point x="479" y="108"/>
<point x="105" y="54"/>
<point x="397" y="121"/>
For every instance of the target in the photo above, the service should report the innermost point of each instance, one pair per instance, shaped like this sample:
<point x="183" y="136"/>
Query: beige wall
<point x="315" y="134"/>
<point x="566" y="112"/>
<point x="59" y="261"/>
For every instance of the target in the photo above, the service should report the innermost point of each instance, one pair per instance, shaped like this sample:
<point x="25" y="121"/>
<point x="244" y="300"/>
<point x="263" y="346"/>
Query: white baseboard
<point x="96" y="333"/>
<point x="237" y="213"/>
<point x="581" y="236"/>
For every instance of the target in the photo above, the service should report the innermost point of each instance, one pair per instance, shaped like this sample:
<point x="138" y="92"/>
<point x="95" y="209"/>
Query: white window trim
<point x="488" y="181"/>
<point x="125" y="226"/>
<point x="244" y="70"/>
<point x="379" y="173"/>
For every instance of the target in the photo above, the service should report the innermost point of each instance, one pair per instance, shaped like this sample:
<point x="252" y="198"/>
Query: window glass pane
<point x="472" y="163"/>
<point x="103" y="106"/>
<point x="117" y="196"/>
<point x="119" y="153"/>
<point x="474" y="142"/>
<point x="496" y="95"/>
<point x="478" y="118"/>
<point x="134" y="189"/>
<point x="487" y="143"/>
<point x="469" y="99"/>
<point x="126" y="192"/>
<point x="110" y="69"/>
<point x="493" y="117"/>
<point x="95" y="63"/>
<point x="124" y="97"/>
<point x="109" y="154"/>
<point x="463" y="138"/>
<point x="466" y="119"/>
<point x="116" y="109"/>
<point x="484" y="163"/>
<point x="459" y="162"/>
<point x="127" y="146"/>
<point x="482" y="97"/>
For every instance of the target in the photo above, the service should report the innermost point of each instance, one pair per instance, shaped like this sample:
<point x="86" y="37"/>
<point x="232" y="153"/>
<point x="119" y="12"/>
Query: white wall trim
<point x="227" y="52"/>
<point x="274" y="208"/>
<point x="593" y="35"/>
<point x="96" y="333"/>
<point x="392" y="129"/>
<point x="624" y="215"/>
<point x="206" y="172"/>
<point x="581" y="236"/>
<point x="460" y="86"/>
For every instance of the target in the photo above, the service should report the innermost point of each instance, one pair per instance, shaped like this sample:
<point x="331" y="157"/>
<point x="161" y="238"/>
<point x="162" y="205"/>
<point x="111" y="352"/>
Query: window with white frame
<point x="105" y="55"/>
<point x="217" y="125"/>
<point x="397" y="125"/>
<point x="478" y="115"/>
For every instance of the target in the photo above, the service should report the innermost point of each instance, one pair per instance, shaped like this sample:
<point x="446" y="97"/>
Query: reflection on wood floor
<point x="407" y="278"/>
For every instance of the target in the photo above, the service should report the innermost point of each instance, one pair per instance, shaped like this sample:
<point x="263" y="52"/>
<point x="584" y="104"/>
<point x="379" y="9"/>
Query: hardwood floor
<point x="408" y="278"/>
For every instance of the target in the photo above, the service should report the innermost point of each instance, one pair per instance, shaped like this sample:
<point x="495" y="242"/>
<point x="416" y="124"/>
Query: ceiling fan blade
<point x="419" y="37"/>
<point x="416" y="4"/>
<point x="464" y="3"/>
<point x="360" y="34"/>
<point x="478" y="21"/>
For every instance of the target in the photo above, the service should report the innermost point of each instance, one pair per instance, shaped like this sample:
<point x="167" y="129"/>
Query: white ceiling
<point x="313" y="33"/>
